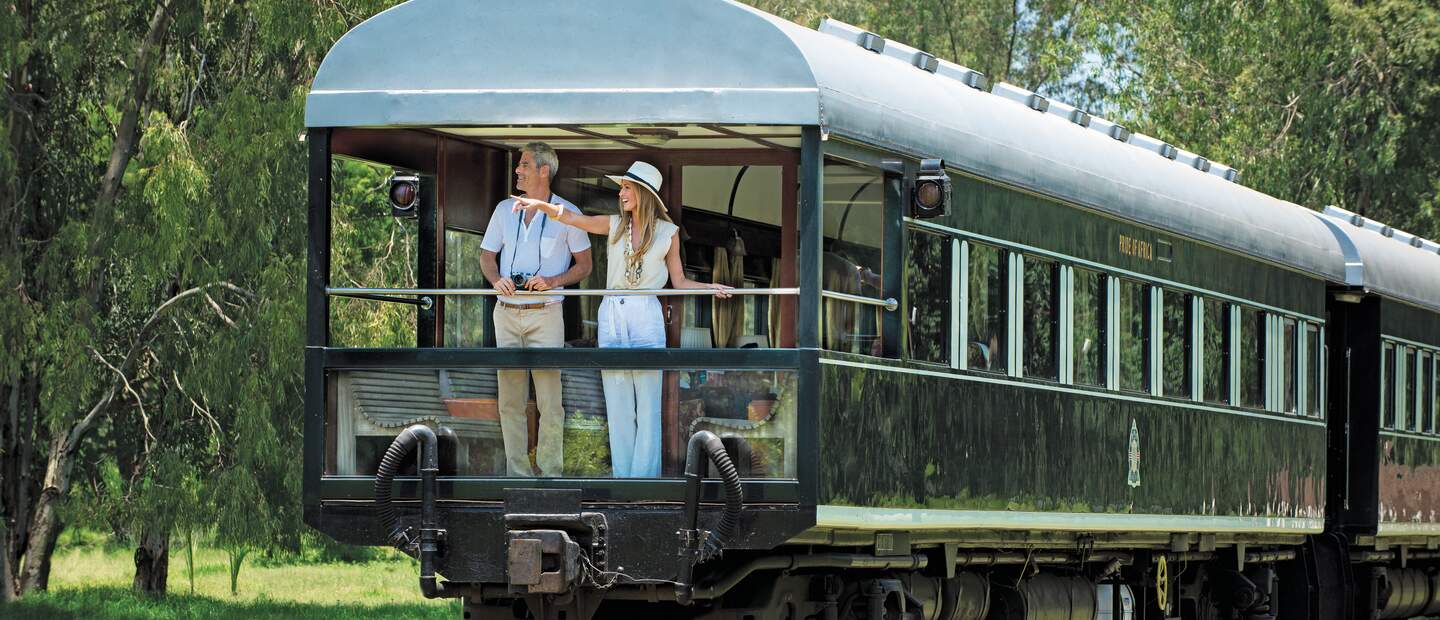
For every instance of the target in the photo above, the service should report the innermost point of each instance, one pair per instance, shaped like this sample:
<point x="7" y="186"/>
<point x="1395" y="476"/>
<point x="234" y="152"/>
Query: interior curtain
<point x="727" y="315"/>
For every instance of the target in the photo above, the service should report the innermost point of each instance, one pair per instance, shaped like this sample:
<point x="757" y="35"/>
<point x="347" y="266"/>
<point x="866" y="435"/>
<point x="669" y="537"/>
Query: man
<point x="538" y="254"/>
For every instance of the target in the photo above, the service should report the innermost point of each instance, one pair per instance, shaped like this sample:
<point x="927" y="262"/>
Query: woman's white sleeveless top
<point x="653" y="273"/>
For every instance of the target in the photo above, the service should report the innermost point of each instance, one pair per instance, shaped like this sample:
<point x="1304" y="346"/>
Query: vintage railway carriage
<point x="990" y="356"/>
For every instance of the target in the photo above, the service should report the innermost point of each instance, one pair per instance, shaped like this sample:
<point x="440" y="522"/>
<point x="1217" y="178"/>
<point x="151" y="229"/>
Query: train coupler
<point x="542" y="561"/>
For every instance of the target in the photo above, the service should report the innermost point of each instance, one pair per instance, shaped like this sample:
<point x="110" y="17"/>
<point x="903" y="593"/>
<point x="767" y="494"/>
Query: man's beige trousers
<point x="540" y="327"/>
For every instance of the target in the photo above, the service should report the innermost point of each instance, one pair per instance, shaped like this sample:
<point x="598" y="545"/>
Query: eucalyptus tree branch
<point x="71" y="441"/>
<point x="127" y="137"/>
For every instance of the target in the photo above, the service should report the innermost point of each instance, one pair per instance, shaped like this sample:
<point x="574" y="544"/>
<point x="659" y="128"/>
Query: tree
<point x="153" y="207"/>
<point x="1318" y="102"/>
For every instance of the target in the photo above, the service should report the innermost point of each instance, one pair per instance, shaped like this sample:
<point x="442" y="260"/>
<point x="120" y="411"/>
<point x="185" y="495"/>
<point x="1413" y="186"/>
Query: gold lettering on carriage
<point x="1131" y="246"/>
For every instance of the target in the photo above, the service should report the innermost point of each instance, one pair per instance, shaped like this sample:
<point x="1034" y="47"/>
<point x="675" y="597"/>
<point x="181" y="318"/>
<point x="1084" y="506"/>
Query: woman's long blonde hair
<point x="647" y="210"/>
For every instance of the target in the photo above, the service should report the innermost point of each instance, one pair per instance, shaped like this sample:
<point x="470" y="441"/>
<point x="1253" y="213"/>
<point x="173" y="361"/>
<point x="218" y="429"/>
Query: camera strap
<point x="519" y="222"/>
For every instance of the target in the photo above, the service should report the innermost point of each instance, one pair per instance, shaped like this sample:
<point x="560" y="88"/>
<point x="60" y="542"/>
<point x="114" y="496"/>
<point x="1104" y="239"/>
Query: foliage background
<point x="152" y="221"/>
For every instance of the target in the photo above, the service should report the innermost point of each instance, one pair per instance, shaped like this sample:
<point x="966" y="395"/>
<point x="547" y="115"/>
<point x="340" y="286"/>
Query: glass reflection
<point x="1134" y="336"/>
<point x="1041" y="319"/>
<point x="1216" y="355"/>
<point x="927" y="293"/>
<point x="988" y="308"/>
<point x="1176" y="360"/>
<point x="753" y="411"/>
<point x="1089" y="312"/>
<point x="1252" y="358"/>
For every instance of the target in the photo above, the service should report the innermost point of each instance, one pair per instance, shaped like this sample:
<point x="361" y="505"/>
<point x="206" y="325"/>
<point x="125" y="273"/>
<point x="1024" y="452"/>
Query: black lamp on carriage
<point x="404" y="194"/>
<point x="930" y="196"/>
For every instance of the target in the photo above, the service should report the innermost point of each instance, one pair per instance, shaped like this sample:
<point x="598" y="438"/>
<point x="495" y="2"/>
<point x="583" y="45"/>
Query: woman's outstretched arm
<point x="677" y="271"/>
<point x="595" y="224"/>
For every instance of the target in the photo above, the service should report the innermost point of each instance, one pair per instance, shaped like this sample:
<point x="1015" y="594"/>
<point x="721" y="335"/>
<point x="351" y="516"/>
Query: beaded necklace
<point x="634" y="265"/>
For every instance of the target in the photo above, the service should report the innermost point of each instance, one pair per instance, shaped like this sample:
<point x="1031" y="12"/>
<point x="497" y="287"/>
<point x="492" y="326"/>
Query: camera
<point x="520" y="279"/>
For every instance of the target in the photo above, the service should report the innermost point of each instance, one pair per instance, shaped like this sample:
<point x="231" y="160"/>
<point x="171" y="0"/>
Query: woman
<point x="643" y="250"/>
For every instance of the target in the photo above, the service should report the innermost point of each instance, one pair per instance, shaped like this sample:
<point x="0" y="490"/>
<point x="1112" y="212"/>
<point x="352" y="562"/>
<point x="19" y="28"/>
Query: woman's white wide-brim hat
<point x="643" y="175"/>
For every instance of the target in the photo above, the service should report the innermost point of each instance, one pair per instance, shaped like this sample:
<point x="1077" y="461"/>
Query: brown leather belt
<point x="506" y="304"/>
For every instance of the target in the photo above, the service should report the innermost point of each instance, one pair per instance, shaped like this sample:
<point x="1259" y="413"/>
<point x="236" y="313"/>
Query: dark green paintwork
<point x="897" y="439"/>
<point x="986" y="209"/>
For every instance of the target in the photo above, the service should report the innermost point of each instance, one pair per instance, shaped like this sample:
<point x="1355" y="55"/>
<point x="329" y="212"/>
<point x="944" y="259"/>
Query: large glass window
<point x="732" y="232"/>
<point x="854" y="215"/>
<point x="989" y="293"/>
<point x="1175" y="363"/>
<point x="927" y="291"/>
<point x="1252" y="358"/>
<point x="1387" y="390"/>
<point x="369" y="249"/>
<point x="1314" y="372"/>
<point x="1134" y="336"/>
<point x="1289" y="365"/>
<point x="1216" y="354"/>
<point x="465" y="323"/>
<point x="1088" y="309"/>
<point x="1042" y="327"/>
<point x="753" y="412"/>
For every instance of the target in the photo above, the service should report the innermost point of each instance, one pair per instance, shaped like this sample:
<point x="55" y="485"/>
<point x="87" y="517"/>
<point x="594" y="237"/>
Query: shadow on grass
<point x="125" y="604"/>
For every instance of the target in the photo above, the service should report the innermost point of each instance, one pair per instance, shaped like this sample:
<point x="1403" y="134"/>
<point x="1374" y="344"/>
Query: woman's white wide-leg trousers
<point x="632" y="397"/>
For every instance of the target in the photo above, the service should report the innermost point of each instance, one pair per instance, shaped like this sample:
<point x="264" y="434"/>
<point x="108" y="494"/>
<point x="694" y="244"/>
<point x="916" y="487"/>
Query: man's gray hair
<point x="544" y="155"/>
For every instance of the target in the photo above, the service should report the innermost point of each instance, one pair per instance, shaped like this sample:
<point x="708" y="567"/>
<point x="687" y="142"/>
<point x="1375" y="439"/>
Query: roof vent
<point x="1165" y="149"/>
<point x="1021" y="96"/>
<point x="926" y="61"/>
<point x="872" y="42"/>
<point x="1080" y="117"/>
<point x="1202" y="164"/>
<point x="1357" y="220"/>
<point x="1417" y="242"/>
<point x="1387" y="231"/>
<point x="1232" y="175"/>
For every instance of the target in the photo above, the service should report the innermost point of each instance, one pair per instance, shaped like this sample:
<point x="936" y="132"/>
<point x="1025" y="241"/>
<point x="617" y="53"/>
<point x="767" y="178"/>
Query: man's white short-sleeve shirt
<point x="540" y="248"/>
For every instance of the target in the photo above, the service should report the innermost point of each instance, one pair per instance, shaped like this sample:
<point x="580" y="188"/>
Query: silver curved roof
<point x="1387" y="261"/>
<point x="436" y="63"/>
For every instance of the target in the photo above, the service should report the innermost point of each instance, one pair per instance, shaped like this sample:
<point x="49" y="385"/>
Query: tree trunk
<point x="152" y="561"/>
<point x="237" y="557"/>
<point x="45" y="523"/>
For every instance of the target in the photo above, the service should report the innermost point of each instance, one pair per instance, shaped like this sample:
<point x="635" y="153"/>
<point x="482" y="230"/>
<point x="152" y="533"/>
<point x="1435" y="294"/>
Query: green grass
<point x="92" y="580"/>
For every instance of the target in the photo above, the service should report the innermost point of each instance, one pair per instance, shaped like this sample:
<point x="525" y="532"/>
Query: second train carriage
<point x="1106" y="357"/>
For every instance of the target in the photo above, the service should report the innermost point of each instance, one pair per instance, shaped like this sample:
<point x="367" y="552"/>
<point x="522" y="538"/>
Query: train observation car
<point x="988" y="356"/>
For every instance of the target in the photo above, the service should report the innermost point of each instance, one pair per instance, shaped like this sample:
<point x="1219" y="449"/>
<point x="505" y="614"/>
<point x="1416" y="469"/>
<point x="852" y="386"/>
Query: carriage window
<point x="465" y="323"/>
<point x="369" y="249"/>
<point x="1134" y="336"/>
<point x="1041" y="329"/>
<point x="1409" y="412"/>
<point x="1088" y="310"/>
<point x="1252" y="358"/>
<point x="1435" y="394"/>
<point x="732" y="233"/>
<point x="1387" y="390"/>
<point x="1315" y="364"/>
<point x="1176" y="360"/>
<point x="988" y="282"/>
<point x="854" y="212"/>
<point x="1289" y="361"/>
<point x="1215" y="359"/>
<point x="1426" y="398"/>
<point x="927" y="293"/>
